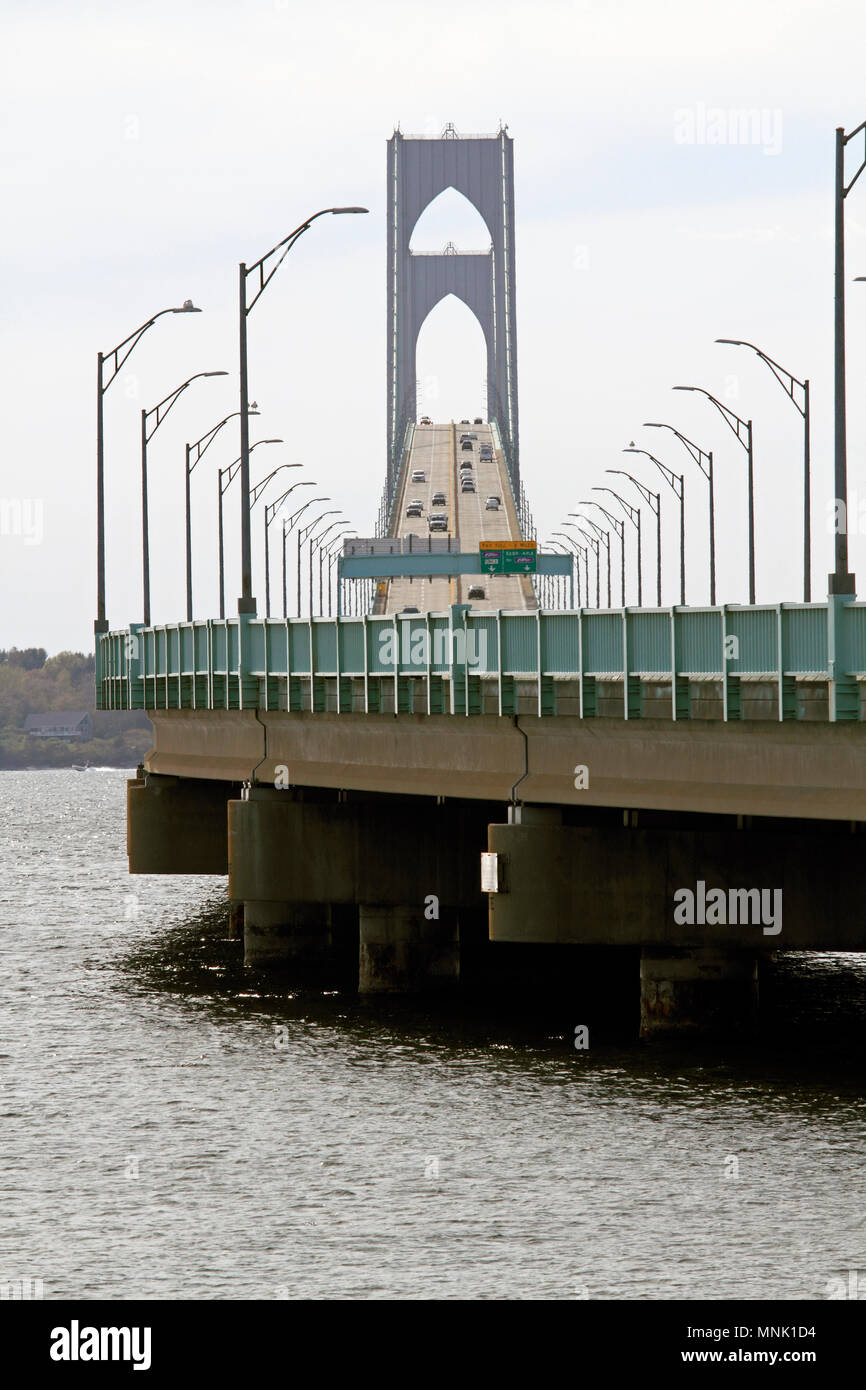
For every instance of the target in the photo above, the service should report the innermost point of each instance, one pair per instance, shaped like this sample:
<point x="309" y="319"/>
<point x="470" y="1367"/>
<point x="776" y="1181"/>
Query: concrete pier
<point x="708" y="992"/>
<point x="177" y="825"/>
<point x="302" y="863"/>
<point x="403" y="952"/>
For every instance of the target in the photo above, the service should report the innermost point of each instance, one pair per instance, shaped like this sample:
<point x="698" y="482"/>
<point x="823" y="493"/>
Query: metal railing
<point x="499" y="663"/>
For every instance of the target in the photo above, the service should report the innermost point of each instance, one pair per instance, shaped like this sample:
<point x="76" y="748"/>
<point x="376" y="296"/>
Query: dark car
<point x="439" y="500"/>
<point x="478" y="420"/>
<point x="467" y="444"/>
<point x="476" y="591"/>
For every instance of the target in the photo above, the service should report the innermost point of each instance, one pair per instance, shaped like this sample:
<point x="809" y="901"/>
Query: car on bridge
<point x="425" y="420"/>
<point x="464" y="422"/>
<point x="485" y="452"/>
<point x="476" y="591"/>
<point x="404" y="611"/>
<point x="439" y="500"/>
<point x="415" y="508"/>
<point x="492" y="504"/>
<point x="437" y="521"/>
<point x="478" y="420"/>
<point x="467" y="444"/>
<point x="418" y="476"/>
<point x="467" y="485"/>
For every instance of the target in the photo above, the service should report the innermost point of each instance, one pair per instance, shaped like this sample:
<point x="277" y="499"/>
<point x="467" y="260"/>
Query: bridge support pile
<point x="383" y="892"/>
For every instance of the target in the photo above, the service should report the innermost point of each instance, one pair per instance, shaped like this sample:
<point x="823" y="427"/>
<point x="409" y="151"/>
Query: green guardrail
<point x="466" y="662"/>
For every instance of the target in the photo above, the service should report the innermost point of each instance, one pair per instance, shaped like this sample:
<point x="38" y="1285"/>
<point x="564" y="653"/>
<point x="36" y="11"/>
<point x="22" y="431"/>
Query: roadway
<point x="437" y="453"/>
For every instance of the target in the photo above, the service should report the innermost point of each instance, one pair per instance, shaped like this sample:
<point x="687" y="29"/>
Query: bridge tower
<point x="481" y="167"/>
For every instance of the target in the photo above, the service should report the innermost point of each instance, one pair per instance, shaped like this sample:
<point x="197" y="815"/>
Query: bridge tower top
<point x="481" y="168"/>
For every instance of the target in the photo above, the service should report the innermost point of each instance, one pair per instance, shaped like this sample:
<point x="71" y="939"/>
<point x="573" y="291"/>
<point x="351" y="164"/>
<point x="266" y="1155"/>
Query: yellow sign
<point x="507" y="545"/>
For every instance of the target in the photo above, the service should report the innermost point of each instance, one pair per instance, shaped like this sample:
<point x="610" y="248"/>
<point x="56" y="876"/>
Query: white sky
<point x="147" y="148"/>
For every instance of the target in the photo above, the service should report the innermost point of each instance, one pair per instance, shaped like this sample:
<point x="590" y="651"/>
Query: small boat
<point x="80" y="767"/>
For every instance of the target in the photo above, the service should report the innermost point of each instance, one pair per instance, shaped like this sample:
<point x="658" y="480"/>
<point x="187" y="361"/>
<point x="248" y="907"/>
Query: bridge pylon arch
<point x="481" y="167"/>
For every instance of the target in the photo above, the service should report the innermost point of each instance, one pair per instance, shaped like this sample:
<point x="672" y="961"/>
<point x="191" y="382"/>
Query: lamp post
<point x="199" y="449"/>
<point x="634" y="516"/>
<point x="246" y="603"/>
<point x="704" y="461"/>
<point x="115" y="359"/>
<point x="289" y="523"/>
<point x="790" y="382"/>
<point x="222" y="487"/>
<point x="590" y="541"/>
<point x="581" y="550"/>
<point x="316" y="541"/>
<point x="255" y="493"/>
<point x="332" y="550"/>
<point x="677" y="484"/>
<point x="574" y="551"/>
<point x="603" y="539"/>
<point x="273" y="508"/>
<point x="743" y="431"/>
<point x="841" y="581"/>
<point x="159" y="413"/>
<point x="654" y="501"/>
<point x="620" y="533"/>
<point x="303" y="533"/>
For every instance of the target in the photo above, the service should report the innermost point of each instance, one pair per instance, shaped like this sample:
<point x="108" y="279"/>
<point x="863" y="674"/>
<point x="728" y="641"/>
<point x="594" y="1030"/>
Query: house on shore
<point x="73" y="725"/>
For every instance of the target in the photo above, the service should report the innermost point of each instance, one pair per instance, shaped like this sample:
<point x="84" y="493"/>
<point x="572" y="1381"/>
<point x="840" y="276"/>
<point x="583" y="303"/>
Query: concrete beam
<point x="616" y="887"/>
<point x="177" y="825"/>
<point x="810" y="771"/>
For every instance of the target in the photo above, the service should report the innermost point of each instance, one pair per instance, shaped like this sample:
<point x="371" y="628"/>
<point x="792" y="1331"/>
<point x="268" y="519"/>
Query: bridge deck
<point x="436" y="451"/>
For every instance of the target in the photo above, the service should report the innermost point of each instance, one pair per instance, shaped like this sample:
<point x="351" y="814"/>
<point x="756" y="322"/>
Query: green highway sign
<point x="508" y="557"/>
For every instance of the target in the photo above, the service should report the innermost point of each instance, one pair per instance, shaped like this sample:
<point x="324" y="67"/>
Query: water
<point x="171" y="1128"/>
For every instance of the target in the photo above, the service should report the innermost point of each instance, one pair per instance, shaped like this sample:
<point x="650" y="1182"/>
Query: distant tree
<point x="30" y="659"/>
<point x="75" y="663"/>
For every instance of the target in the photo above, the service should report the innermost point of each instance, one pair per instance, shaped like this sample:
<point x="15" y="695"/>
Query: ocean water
<point x="173" y="1126"/>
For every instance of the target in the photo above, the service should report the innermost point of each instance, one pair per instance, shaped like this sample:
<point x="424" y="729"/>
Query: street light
<point x="222" y="487"/>
<point x="246" y="603"/>
<point x="117" y="361"/>
<point x="615" y="522"/>
<point x="286" y="533"/>
<point x="573" y="553"/>
<point x="332" y="550"/>
<point x="672" y="479"/>
<point x="654" y="500"/>
<point x="581" y="550"/>
<point x="634" y="516"/>
<point x="590" y="541"/>
<point x="704" y="461"/>
<point x="303" y="532"/>
<point x="603" y="538"/>
<point x="789" y="381"/>
<point x="146" y="436"/>
<point x="199" y="448"/>
<point x="316" y="542"/>
<point x="273" y="508"/>
<point x="743" y="431"/>
<point x="841" y="581"/>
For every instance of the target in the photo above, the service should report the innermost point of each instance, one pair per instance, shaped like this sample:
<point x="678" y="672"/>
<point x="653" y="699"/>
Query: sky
<point x="148" y="148"/>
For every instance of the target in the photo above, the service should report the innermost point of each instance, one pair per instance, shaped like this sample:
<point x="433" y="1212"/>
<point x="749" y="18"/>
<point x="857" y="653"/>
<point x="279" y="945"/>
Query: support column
<point x="312" y="941"/>
<point x="402" y="952"/>
<point x="176" y="825"/>
<point x="701" y="992"/>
